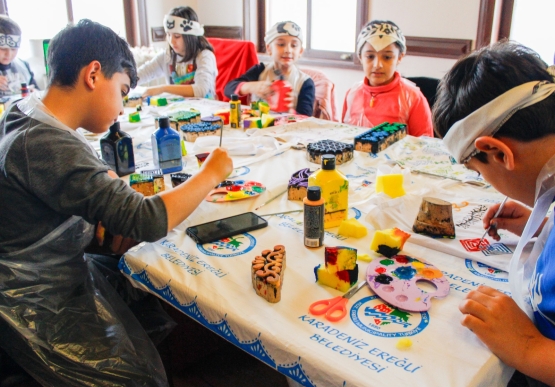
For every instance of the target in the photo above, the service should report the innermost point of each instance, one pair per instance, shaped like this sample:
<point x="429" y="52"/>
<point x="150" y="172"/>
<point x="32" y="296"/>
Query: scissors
<point x="334" y="308"/>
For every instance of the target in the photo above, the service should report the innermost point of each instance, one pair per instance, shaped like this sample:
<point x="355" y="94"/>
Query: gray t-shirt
<point x="47" y="175"/>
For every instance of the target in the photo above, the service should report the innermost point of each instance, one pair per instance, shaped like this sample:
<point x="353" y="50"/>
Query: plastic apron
<point x="522" y="265"/>
<point x="63" y="322"/>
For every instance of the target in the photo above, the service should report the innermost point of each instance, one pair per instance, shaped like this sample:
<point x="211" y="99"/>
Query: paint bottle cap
<point x="314" y="193"/>
<point x="164" y="122"/>
<point x="328" y="162"/>
<point x="115" y="127"/>
<point x="234" y="97"/>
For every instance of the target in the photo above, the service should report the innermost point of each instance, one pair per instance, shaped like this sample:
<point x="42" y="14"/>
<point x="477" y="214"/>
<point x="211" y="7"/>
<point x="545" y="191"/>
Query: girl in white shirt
<point x="188" y="63"/>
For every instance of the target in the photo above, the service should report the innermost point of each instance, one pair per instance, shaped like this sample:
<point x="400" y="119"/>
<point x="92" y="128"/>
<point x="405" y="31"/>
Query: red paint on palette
<point x="471" y="245"/>
<point x="381" y="270"/>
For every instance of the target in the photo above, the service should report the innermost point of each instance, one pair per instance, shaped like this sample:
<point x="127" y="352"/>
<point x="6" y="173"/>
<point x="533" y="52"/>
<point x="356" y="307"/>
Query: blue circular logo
<point x="229" y="247"/>
<point x="241" y="171"/>
<point x="485" y="271"/>
<point x="374" y="316"/>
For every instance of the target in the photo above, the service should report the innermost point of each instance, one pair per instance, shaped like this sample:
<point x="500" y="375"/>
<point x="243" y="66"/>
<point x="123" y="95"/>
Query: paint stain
<point x="404" y="272"/>
<point x="383" y="279"/>
<point x="387" y="262"/>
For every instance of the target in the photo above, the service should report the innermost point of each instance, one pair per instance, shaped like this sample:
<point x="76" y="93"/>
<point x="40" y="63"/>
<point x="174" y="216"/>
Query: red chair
<point x="233" y="58"/>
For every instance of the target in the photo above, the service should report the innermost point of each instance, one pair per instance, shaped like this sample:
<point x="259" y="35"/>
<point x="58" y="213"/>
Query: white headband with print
<point x="381" y="35"/>
<point x="487" y="120"/>
<point x="10" y="41"/>
<point x="287" y="28"/>
<point x="179" y="25"/>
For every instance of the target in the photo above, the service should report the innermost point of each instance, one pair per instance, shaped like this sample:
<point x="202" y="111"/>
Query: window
<point x="324" y="37"/>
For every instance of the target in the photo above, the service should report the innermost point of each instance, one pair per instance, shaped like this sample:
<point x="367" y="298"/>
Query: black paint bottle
<point x="313" y="217"/>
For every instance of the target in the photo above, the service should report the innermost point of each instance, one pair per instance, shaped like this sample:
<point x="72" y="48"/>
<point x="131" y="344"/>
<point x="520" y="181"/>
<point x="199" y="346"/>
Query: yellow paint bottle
<point x="335" y="191"/>
<point x="235" y="111"/>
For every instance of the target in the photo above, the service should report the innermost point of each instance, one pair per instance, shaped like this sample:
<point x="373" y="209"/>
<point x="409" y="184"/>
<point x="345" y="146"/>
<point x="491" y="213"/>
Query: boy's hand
<point x="513" y="218"/>
<point x="4" y="85"/>
<point x="498" y="321"/>
<point x="219" y="164"/>
<point x="262" y="89"/>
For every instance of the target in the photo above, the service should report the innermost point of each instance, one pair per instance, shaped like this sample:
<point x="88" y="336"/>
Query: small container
<point x="313" y="218"/>
<point x="282" y="90"/>
<point x="166" y="147"/>
<point x="24" y="90"/>
<point x="116" y="148"/>
<point x="235" y="111"/>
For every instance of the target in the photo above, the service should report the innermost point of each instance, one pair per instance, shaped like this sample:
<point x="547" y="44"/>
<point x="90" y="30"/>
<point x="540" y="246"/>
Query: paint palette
<point x="395" y="281"/>
<point x="231" y="190"/>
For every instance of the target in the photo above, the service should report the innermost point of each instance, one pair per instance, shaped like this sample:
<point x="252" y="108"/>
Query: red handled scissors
<point x="334" y="308"/>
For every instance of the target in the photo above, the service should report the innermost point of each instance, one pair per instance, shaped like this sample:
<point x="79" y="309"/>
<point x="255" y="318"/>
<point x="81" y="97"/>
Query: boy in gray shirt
<point x="65" y="325"/>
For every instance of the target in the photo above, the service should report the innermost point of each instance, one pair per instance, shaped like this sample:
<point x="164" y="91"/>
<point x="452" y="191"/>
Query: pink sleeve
<point x="238" y="89"/>
<point x="420" y="120"/>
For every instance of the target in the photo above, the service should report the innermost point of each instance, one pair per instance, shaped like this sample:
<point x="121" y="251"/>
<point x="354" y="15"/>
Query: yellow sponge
<point x="340" y="280"/>
<point x="391" y="185"/>
<point x="389" y="242"/>
<point x="352" y="228"/>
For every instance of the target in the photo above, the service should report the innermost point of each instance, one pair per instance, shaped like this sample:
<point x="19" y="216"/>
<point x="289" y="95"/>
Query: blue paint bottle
<point x="116" y="148"/>
<point x="166" y="147"/>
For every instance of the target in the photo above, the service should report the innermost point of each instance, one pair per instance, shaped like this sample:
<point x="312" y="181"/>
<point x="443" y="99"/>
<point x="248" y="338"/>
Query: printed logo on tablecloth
<point x="374" y="316"/>
<point x="482" y="270"/>
<point x="497" y="249"/>
<point x="241" y="171"/>
<point x="471" y="245"/>
<point x="354" y="213"/>
<point x="229" y="247"/>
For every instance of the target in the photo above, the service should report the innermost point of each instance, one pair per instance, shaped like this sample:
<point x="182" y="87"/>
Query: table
<point x="211" y="283"/>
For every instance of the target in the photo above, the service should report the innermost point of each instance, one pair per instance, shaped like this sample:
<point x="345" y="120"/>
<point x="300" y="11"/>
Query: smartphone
<point x="223" y="228"/>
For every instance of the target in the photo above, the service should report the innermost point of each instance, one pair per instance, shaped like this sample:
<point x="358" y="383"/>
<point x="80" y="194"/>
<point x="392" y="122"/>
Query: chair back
<point x="428" y="87"/>
<point x="233" y="59"/>
<point x="324" y="101"/>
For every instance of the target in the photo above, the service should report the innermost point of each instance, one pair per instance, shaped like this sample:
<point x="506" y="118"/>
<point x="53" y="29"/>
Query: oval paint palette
<point x="231" y="190"/>
<point x="395" y="281"/>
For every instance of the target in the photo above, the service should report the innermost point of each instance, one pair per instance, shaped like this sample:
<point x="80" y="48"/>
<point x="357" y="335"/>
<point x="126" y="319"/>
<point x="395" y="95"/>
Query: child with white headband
<point x="188" y="64"/>
<point x="384" y="95"/>
<point x="284" y="43"/>
<point x="13" y="71"/>
<point x="496" y="113"/>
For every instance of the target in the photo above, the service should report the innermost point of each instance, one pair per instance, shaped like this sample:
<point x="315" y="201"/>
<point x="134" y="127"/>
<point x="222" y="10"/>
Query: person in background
<point x="60" y="317"/>
<point x="13" y="71"/>
<point x="188" y="64"/>
<point x="284" y="44"/>
<point x="383" y="95"/>
<point x="495" y="111"/>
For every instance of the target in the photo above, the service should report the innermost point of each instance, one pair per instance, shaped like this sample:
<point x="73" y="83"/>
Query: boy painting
<point x="496" y="113"/>
<point x="65" y="324"/>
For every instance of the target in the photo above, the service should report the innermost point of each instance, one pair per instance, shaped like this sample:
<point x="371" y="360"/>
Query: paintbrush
<point x="263" y="204"/>
<point x="490" y="226"/>
<point x="282" y="212"/>
<point x="221" y="135"/>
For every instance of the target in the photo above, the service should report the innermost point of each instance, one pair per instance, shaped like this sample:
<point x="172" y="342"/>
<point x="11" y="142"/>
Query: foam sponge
<point x="389" y="242"/>
<point x="352" y="228"/>
<point x="391" y="185"/>
<point x="340" y="270"/>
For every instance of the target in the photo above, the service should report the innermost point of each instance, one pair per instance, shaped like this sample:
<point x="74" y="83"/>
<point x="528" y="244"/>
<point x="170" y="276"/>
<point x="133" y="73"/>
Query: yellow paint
<point x="335" y="192"/>
<point x="403" y="343"/>
<point x="418" y="265"/>
<point x="391" y="185"/>
<point x="364" y="258"/>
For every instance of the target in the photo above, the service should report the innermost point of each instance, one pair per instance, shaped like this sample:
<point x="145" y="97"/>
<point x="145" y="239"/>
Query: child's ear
<point x="497" y="150"/>
<point x="269" y="49"/>
<point x="401" y="56"/>
<point x="91" y="73"/>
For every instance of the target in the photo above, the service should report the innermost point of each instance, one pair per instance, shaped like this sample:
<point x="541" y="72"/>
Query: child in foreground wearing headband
<point x="13" y="71"/>
<point x="384" y="95"/>
<point x="189" y="64"/>
<point x="284" y="43"/>
<point x="496" y="112"/>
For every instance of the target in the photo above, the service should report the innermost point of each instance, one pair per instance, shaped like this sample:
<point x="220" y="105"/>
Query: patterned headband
<point x="10" y="41"/>
<point x="488" y="119"/>
<point x="381" y="35"/>
<point x="287" y="28"/>
<point x="179" y="25"/>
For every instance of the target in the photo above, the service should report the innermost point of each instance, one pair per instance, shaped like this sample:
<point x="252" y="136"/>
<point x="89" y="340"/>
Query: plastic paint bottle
<point x="313" y="218"/>
<point x="335" y="191"/>
<point x="235" y="111"/>
<point x="166" y="147"/>
<point x="116" y="148"/>
<point x="24" y="90"/>
<point x="282" y="90"/>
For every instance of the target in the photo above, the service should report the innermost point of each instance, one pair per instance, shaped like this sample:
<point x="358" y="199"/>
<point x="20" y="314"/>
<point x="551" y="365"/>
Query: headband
<point x="487" y="120"/>
<point x="381" y="35"/>
<point x="179" y="25"/>
<point x="287" y="28"/>
<point x="10" y="41"/>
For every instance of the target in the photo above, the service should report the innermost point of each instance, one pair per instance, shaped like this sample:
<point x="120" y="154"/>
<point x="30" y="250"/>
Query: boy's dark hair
<point x="76" y="46"/>
<point x="484" y="75"/>
<point x="193" y="44"/>
<point x="8" y="26"/>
